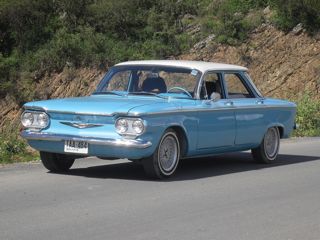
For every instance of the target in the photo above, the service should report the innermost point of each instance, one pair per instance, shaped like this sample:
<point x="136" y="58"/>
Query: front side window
<point x="211" y="83"/>
<point x="235" y="86"/>
<point x="150" y="79"/>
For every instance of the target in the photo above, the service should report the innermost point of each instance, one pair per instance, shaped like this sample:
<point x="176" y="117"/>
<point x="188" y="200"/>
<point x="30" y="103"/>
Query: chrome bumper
<point x="130" y="143"/>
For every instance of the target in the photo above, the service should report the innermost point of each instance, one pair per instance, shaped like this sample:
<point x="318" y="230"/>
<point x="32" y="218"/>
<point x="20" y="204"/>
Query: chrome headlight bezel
<point x="37" y="120"/>
<point x="134" y="126"/>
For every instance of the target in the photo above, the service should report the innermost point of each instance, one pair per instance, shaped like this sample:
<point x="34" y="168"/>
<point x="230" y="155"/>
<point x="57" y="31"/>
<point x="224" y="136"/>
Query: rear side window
<point x="235" y="86"/>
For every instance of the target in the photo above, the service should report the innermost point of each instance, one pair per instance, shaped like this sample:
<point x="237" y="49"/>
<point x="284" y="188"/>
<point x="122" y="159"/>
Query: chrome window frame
<point x="220" y="75"/>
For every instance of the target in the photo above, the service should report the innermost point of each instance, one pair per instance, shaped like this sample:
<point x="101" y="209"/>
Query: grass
<point x="13" y="149"/>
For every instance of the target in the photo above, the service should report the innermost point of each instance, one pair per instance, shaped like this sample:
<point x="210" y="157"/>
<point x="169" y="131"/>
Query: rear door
<point x="249" y="108"/>
<point x="216" y="128"/>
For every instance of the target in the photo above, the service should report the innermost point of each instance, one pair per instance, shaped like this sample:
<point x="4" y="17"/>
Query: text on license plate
<point x="76" y="146"/>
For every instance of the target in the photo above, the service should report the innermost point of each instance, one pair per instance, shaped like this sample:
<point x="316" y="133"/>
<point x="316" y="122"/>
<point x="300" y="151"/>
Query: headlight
<point x="129" y="126"/>
<point x="27" y="119"/>
<point x="34" y="120"/>
<point x="138" y="126"/>
<point x="43" y="120"/>
<point x="121" y="125"/>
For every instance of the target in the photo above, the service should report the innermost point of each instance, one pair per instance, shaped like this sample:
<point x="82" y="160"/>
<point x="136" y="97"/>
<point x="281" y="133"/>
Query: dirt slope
<point x="65" y="84"/>
<point x="282" y="65"/>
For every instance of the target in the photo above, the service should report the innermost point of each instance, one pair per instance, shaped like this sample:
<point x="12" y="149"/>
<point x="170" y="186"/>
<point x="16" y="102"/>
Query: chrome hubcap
<point x="168" y="153"/>
<point x="271" y="142"/>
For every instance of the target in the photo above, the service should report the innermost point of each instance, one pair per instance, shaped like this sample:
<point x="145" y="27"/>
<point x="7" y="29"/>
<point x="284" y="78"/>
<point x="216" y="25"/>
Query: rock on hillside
<point x="282" y="65"/>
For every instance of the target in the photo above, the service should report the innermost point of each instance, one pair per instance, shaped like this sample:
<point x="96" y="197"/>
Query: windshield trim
<point x="114" y="69"/>
<point x="142" y="93"/>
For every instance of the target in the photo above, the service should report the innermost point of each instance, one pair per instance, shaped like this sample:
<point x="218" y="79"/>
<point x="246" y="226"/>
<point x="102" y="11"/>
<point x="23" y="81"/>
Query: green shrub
<point x="8" y="72"/>
<point x="232" y="20"/>
<point x="14" y="149"/>
<point x="308" y="117"/>
<point x="292" y="12"/>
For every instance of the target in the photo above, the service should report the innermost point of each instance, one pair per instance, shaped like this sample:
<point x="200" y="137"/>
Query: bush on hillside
<point x="13" y="149"/>
<point x="292" y="12"/>
<point x="41" y="36"/>
<point x="308" y="117"/>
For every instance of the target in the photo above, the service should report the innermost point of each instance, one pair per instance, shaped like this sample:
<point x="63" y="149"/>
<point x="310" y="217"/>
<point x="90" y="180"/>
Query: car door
<point x="216" y="127"/>
<point x="249" y="108"/>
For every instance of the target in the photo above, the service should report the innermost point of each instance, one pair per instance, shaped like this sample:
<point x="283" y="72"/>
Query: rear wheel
<point x="268" y="150"/>
<point x="164" y="161"/>
<point x="56" y="162"/>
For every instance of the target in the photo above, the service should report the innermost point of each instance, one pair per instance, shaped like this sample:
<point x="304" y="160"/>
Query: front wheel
<point x="268" y="150"/>
<point x="56" y="162"/>
<point x="164" y="161"/>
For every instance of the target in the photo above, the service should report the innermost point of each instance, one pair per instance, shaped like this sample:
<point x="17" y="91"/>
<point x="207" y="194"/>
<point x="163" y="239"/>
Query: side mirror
<point x="215" y="97"/>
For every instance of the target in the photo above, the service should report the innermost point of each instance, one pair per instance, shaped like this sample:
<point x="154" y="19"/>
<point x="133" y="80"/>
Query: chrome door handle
<point x="259" y="102"/>
<point x="229" y="103"/>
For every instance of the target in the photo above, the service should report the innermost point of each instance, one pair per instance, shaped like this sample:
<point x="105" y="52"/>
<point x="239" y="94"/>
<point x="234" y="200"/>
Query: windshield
<point x="150" y="80"/>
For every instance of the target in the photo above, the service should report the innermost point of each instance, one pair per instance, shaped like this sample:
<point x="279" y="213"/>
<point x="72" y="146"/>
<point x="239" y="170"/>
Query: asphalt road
<point x="224" y="197"/>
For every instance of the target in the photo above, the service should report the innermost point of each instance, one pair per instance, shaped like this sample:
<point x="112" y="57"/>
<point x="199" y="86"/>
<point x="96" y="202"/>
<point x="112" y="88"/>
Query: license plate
<point x="76" y="146"/>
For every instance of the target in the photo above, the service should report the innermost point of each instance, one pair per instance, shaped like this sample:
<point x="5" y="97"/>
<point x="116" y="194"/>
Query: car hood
<point x="96" y="104"/>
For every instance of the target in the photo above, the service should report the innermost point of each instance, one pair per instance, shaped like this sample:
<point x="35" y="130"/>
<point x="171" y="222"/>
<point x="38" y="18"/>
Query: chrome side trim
<point x="130" y="143"/>
<point x="135" y="114"/>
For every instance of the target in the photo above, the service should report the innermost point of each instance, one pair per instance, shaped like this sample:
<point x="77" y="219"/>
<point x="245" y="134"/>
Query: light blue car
<point x="158" y="112"/>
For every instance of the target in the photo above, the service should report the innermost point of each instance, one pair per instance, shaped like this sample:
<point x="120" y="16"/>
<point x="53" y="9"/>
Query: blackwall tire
<point x="55" y="162"/>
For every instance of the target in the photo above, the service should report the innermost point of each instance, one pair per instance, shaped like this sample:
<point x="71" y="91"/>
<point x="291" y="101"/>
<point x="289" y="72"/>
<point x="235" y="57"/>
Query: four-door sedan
<point x="157" y="112"/>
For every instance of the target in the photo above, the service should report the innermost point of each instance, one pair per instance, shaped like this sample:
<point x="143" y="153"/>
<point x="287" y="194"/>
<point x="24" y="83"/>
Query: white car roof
<point x="199" y="65"/>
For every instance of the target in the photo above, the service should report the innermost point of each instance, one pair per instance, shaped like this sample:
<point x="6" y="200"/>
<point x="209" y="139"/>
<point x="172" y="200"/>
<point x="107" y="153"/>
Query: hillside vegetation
<point x="58" y="48"/>
<point x="40" y="36"/>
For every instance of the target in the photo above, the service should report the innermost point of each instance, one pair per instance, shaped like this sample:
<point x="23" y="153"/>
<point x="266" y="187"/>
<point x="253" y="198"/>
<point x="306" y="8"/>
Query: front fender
<point x="158" y="124"/>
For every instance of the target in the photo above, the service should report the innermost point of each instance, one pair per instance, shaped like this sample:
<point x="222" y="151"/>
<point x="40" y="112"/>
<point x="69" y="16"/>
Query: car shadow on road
<point x="190" y="169"/>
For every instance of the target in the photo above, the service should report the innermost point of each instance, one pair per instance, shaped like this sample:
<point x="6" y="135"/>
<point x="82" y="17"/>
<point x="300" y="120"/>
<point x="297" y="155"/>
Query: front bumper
<point x="128" y="143"/>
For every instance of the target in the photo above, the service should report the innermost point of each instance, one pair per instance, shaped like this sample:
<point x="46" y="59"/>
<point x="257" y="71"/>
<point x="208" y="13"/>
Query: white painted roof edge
<point x="199" y="65"/>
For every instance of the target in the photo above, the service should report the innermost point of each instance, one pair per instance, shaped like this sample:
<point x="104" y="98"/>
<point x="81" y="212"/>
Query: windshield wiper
<point x="146" y="93"/>
<point x="108" y="92"/>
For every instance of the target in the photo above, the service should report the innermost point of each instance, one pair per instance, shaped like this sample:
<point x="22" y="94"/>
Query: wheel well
<point x="183" y="141"/>
<point x="281" y="130"/>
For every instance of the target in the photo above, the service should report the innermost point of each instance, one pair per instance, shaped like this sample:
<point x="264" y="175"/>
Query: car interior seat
<point x="210" y="87"/>
<point x="154" y="84"/>
<point x="213" y="86"/>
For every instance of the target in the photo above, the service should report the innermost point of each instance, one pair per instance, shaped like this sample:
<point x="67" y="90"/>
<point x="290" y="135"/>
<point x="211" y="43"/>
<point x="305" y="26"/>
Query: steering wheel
<point x="181" y="89"/>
